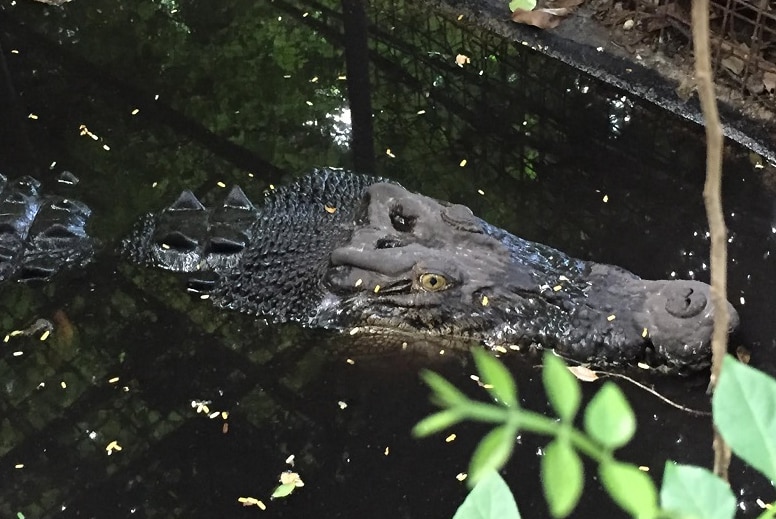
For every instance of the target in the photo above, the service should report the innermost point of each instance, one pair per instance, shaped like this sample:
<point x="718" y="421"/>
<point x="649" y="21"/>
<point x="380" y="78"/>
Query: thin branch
<point x="712" y="199"/>
<point x="688" y="410"/>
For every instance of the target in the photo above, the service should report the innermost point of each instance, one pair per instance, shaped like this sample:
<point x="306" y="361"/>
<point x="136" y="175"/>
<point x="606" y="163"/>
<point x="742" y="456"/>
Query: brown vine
<point x="713" y="201"/>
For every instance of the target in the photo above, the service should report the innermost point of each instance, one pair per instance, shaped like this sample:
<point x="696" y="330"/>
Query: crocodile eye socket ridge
<point x="400" y="221"/>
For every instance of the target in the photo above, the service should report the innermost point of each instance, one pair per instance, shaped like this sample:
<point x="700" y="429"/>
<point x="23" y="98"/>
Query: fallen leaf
<point x="542" y="18"/>
<point x="525" y="5"/>
<point x="584" y="374"/>
<point x="769" y="81"/>
<point x="734" y="64"/>
<point x="743" y="355"/>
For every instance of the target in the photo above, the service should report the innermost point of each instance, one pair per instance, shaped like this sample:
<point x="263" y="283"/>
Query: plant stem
<point x="536" y="423"/>
<point x="713" y="201"/>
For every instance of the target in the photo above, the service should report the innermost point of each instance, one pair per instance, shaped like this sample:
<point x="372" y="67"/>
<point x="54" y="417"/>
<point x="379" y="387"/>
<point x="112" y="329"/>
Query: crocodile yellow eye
<point x="432" y="282"/>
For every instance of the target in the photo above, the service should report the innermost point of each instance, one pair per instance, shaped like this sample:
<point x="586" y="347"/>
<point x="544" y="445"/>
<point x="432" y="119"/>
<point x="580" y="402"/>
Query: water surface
<point x="142" y="101"/>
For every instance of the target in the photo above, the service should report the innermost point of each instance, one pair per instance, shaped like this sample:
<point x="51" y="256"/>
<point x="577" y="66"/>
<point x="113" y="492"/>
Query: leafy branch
<point x="741" y="412"/>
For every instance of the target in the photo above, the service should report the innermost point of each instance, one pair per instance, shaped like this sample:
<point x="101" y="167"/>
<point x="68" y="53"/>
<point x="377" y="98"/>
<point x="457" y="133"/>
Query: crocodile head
<point x="417" y="264"/>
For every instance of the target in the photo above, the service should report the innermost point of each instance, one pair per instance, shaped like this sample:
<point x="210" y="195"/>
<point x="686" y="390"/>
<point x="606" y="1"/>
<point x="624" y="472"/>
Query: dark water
<point x="254" y="93"/>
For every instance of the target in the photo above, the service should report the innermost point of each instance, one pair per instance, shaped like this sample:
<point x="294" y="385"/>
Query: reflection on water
<point x="146" y="402"/>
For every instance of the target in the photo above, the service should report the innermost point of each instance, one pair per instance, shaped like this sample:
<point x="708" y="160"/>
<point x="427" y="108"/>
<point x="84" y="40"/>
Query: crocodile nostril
<point x="685" y="302"/>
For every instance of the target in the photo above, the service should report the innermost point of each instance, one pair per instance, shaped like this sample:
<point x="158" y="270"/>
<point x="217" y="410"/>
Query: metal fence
<point x="743" y="34"/>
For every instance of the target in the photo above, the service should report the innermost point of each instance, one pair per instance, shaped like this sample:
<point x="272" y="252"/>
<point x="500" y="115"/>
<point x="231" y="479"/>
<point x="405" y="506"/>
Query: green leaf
<point x="695" y="492"/>
<point x="630" y="488"/>
<point x="283" y="490"/>
<point x="525" y="5"/>
<point x="744" y="409"/>
<point x="492" y="452"/>
<point x="495" y="374"/>
<point x="609" y="418"/>
<point x="562" y="477"/>
<point x="436" y="422"/>
<point x="448" y="394"/>
<point x="489" y="499"/>
<point x="561" y="387"/>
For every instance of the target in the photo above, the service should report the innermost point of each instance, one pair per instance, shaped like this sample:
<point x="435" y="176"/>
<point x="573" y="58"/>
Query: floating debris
<point x="462" y="59"/>
<point x="113" y="447"/>
<point x="252" y="501"/>
<point x="201" y="406"/>
<point x="289" y="481"/>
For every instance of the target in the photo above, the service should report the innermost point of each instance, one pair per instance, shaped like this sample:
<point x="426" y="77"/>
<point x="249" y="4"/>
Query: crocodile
<point x="40" y="234"/>
<point x="359" y="253"/>
<point x="353" y="252"/>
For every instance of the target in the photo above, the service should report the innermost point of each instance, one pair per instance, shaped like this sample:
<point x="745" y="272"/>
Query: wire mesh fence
<point x="743" y="34"/>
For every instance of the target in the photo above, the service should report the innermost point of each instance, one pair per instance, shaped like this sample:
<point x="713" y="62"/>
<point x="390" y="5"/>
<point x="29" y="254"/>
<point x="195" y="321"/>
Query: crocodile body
<point x="40" y="234"/>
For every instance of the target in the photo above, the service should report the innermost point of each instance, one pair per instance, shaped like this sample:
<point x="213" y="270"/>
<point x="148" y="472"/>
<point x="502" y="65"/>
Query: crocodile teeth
<point x="236" y="199"/>
<point x="186" y="202"/>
